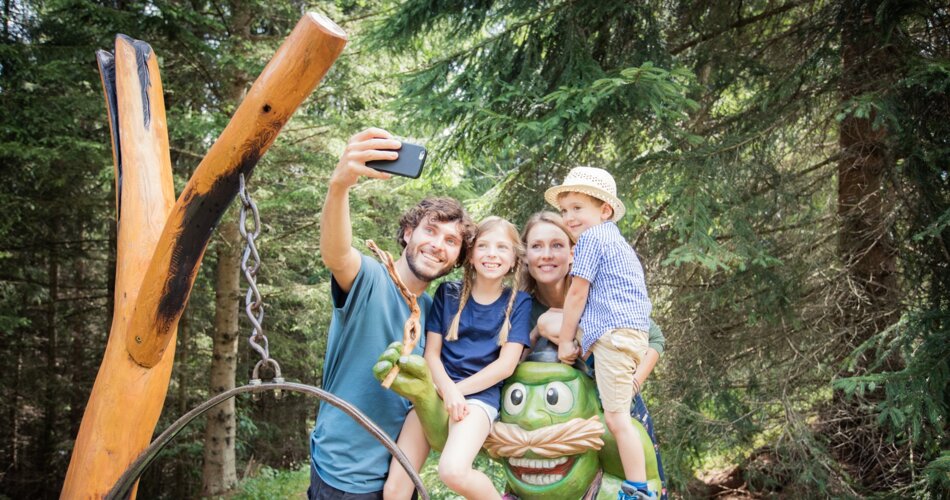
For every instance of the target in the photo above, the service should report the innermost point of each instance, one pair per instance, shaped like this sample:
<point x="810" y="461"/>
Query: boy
<point x="608" y="301"/>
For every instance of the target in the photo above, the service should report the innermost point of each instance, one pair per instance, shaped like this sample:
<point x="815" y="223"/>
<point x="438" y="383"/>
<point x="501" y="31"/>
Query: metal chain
<point x="254" y="308"/>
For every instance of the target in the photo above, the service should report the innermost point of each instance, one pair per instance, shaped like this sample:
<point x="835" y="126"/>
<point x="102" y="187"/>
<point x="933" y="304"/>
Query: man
<point x="369" y="314"/>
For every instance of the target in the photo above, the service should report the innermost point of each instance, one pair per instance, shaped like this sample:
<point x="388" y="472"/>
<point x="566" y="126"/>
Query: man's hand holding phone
<point x="369" y="145"/>
<point x="409" y="164"/>
<point x="375" y="153"/>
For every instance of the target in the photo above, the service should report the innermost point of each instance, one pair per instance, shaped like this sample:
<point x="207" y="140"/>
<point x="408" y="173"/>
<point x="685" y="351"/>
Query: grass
<point x="271" y="483"/>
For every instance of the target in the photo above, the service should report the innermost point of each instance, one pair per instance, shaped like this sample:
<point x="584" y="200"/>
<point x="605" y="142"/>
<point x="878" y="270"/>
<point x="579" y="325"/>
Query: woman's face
<point x="548" y="253"/>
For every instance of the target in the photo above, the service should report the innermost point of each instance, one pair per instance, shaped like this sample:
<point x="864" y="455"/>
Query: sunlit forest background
<point x="785" y="164"/>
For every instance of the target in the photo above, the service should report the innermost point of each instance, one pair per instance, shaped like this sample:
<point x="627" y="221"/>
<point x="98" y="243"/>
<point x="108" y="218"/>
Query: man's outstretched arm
<point x="336" y="231"/>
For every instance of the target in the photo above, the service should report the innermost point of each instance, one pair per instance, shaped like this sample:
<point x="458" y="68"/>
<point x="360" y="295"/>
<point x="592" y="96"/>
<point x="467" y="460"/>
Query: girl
<point x="476" y="332"/>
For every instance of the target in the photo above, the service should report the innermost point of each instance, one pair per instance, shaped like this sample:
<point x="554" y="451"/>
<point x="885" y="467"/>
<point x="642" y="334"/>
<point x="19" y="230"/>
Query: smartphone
<point x="409" y="164"/>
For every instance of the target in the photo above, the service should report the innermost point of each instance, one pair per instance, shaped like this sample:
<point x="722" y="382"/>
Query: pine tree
<point x="771" y="270"/>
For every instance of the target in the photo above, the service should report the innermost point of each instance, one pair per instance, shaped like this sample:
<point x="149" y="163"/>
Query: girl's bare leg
<point x="464" y="441"/>
<point x="413" y="443"/>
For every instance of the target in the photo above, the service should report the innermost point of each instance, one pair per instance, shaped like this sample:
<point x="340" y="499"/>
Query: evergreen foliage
<point x="721" y="121"/>
<point x="56" y="181"/>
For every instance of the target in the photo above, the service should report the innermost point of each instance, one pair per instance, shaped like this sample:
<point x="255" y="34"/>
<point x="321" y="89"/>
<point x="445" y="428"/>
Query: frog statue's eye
<point x="515" y="397"/>
<point x="558" y="397"/>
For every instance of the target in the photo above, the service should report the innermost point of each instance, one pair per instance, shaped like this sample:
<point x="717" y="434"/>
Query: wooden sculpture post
<point x="160" y="246"/>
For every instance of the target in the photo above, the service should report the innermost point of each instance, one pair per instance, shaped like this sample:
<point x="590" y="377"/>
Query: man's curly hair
<point x="439" y="209"/>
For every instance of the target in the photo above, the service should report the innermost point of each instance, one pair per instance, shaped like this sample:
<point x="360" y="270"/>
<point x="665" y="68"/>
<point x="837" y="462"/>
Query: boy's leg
<point x="464" y="441"/>
<point x="628" y="444"/>
<point x="617" y="354"/>
<point x="413" y="443"/>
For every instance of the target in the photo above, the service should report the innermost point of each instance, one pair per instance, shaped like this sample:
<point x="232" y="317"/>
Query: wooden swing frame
<point x="167" y="239"/>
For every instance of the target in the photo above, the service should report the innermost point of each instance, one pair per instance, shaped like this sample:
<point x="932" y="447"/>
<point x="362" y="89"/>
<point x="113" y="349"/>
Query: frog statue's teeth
<point x="540" y="472"/>
<point x="541" y="479"/>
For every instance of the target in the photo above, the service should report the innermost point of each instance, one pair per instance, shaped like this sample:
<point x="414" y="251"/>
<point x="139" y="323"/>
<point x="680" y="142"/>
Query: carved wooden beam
<point x="127" y="399"/>
<point x="161" y="242"/>
<point x="299" y="64"/>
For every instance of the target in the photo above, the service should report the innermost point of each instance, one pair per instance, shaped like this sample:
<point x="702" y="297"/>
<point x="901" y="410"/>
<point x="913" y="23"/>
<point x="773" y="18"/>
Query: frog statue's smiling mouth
<point x="541" y="472"/>
<point x="558" y="446"/>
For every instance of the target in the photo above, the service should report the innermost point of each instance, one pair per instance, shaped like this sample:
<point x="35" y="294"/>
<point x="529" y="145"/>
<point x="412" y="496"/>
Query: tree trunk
<point x="219" y="467"/>
<point x="15" y="406"/>
<point x="51" y="381"/>
<point x="184" y="349"/>
<point x="866" y="244"/>
<point x="77" y="365"/>
<point x="6" y="20"/>
<point x="219" y="472"/>
<point x="183" y="369"/>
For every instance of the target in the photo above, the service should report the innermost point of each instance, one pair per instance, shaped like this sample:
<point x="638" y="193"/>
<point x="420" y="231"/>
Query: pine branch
<point x="487" y="41"/>
<point x="738" y="24"/>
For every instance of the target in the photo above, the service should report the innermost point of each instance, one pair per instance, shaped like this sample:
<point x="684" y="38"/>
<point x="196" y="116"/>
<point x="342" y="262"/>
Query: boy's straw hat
<point x="591" y="181"/>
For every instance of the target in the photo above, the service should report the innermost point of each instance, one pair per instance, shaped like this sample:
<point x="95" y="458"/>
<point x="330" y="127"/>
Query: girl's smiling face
<point x="493" y="254"/>
<point x="548" y="253"/>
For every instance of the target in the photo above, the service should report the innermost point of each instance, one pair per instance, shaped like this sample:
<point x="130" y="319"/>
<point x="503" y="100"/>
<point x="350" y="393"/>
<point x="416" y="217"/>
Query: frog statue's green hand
<point x="551" y="438"/>
<point x="415" y="384"/>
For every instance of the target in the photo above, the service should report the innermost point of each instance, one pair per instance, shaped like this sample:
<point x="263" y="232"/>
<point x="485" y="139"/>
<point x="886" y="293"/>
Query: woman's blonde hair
<point x="468" y="277"/>
<point x="529" y="284"/>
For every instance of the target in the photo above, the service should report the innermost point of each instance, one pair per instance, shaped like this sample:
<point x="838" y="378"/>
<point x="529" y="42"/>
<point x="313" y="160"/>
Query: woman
<point x="548" y="244"/>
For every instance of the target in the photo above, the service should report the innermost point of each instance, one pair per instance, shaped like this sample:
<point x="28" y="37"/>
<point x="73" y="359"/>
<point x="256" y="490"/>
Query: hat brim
<point x="551" y="195"/>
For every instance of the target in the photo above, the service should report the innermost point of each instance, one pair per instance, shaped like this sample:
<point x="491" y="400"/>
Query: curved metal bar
<point x="123" y="486"/>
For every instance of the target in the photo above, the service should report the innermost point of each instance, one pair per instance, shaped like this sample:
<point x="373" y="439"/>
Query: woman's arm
<point x="549" y="324"/>
<point x="646" y="366"/>
<point x="534" y="336"/>
<point x="451" y="396"/>
<point x="657" y="340"/>
<point x="495" y="372"/>
<point x="652" y="356"/>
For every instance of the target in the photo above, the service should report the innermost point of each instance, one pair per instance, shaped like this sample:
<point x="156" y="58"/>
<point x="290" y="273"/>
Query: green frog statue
<point x="551" y="437"/>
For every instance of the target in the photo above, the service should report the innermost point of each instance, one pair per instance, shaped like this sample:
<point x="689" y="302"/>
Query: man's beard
<point x="419" y="273"/>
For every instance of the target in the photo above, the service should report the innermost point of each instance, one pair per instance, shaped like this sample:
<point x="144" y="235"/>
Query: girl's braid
<point x="467" y="278"/>
<point x="506" y="325"/>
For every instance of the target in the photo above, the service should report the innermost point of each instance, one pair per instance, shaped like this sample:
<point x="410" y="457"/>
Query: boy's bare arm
<point x="336" y="231"/>
<point x="573" y="308"/>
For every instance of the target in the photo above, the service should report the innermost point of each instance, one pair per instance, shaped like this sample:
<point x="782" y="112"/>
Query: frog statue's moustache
<point x="569" y="438"/>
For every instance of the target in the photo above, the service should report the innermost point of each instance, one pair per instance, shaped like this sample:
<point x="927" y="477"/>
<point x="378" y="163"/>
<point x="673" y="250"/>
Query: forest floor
<point x="720" y="484"/>
<point x="724" y="484"/>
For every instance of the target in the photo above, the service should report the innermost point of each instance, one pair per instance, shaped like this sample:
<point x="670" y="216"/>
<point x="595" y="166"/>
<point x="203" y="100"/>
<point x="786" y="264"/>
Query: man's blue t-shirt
<point x="365" y="321"/>
<point x="477" y="344"/>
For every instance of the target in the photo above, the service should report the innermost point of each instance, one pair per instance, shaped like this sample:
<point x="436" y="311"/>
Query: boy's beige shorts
<point x="616" y="356"/>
